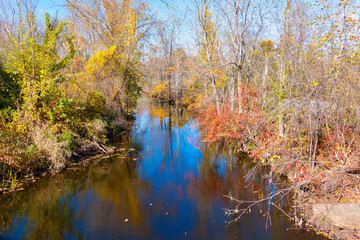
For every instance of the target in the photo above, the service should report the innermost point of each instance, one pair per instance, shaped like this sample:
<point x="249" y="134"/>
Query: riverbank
<point x="47" y="152"/>
<point x="60" y="97"/>
<point x="325" y="195"/>
<point x="328" y="178"/>
<point x="82" y="157"/>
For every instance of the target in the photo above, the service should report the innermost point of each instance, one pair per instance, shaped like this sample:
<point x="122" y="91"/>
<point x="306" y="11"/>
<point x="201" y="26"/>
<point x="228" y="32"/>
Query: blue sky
<point x="53" y="7"/>
<point x="175" y="9"/>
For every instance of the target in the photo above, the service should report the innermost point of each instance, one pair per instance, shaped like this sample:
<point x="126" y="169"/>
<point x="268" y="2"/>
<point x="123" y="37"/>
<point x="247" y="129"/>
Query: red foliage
<point x="235" y="126"/>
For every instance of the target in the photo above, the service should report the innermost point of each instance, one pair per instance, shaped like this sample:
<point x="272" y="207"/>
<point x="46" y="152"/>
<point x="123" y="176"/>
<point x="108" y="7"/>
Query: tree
<point x="111" y="35"/>
<point x="37" y="66"/>
<point x="209" y="48"/>
<point x="244" y="21"/>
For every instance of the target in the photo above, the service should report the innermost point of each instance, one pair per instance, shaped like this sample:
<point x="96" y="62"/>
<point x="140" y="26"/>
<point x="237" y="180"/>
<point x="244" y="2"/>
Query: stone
<point x="344" y="215"/>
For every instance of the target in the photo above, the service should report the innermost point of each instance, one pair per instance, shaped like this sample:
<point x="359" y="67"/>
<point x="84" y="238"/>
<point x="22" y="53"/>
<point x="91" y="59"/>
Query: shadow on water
<point x="173" y="191"/>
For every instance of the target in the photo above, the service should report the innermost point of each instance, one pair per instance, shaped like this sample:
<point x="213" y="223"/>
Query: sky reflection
<point x="174" y="190"/>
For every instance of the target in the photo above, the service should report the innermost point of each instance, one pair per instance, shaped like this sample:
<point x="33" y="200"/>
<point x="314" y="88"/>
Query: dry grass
<point x="56" y="150"/>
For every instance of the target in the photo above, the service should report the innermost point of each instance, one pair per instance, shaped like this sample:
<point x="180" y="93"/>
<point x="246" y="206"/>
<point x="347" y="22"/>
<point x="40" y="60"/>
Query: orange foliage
<point x="232" y="126"/>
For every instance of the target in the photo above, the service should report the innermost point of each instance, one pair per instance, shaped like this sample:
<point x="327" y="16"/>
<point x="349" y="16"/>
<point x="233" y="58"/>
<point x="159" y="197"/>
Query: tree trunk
<point x="177" y="80"/>
<point x="240" y="91"/>
<point x="281" y="104"/>
<point x="232" y="88"/>
<point x="265" y="74"/>
<point x="264" y="79"/>
<point x="284" y="66"/>
<point x="170" y="65"/>
<point x="216" y="95"/>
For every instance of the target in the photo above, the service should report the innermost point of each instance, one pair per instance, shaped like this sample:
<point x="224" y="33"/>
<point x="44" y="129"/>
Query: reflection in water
<point x="174" y="191"/>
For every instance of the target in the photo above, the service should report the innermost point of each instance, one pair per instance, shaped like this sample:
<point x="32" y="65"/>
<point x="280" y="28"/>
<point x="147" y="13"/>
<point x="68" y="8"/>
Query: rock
<point x="345" y="215"/>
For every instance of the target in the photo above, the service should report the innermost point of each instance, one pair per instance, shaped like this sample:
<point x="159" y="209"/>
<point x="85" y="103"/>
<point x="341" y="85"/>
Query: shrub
<point x="55" y="146"/>
<point x="95" y="103"/>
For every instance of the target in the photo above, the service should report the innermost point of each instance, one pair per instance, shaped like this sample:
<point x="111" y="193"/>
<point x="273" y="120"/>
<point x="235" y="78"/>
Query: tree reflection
<point x="121" y="187"/>
<point x="165" y="183"/>
<point x="44" y="208"/>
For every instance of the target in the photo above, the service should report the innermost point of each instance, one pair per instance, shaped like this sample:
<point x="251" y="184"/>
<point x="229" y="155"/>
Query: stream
<point x="169" y="185"/>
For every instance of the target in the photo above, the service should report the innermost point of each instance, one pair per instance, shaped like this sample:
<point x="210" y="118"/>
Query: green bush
<point x="95" y="103"/>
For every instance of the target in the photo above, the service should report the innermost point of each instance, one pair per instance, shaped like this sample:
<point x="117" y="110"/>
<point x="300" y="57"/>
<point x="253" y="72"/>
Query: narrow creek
<point x="169" y="186"/>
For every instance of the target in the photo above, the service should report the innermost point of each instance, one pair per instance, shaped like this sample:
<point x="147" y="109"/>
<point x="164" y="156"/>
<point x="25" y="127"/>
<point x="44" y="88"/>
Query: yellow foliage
<point x="210" y="45"/>
<point x="267" y="45"/>
<point x="199" y="101"/>
<point x="99" y="59"/>
<point x="195" y="102"/>
<point x="158" y="89"/>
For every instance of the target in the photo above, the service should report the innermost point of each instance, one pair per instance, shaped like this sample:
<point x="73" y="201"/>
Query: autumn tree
<point x="111" y="35"/>
<point x="209" y="49"/>
<point x="38" y="66"/>
<point x="243" y="22"/>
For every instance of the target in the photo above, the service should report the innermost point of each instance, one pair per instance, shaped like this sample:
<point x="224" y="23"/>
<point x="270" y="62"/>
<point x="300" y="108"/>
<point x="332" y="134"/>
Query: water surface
<point x="170" y="186"/>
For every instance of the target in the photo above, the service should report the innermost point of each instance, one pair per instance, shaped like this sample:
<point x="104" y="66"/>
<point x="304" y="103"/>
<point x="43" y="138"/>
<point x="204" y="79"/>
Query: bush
<point x="95" y="103"/>
<point x="56" y="147"/>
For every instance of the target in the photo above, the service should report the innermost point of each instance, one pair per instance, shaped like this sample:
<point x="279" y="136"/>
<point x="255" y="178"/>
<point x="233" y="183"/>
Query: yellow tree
<point x="209" y="48"/>
<point x="112" y="43"/>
